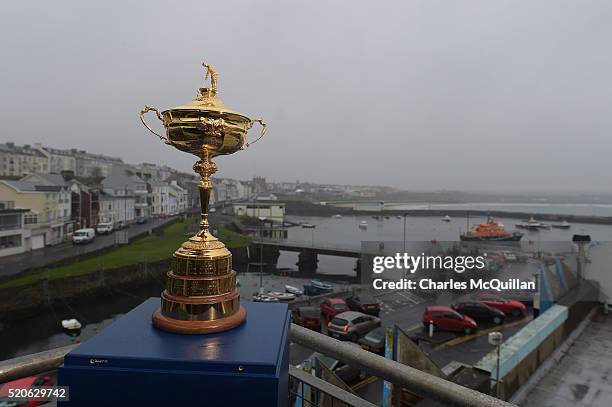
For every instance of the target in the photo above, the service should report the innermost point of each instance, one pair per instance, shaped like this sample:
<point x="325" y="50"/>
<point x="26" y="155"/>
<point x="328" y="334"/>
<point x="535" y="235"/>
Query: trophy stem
<point x="205" y="167"/>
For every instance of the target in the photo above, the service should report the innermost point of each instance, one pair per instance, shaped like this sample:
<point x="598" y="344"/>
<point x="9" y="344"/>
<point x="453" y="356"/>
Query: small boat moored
<point x="282" y="297"/>
<point x="308" y="226"/>
<point x="293" y="290"/>
<point x="562" y="225"/>
<point x="446" y="218"/>
<point x="72" y="326"/>
<point x="490" y="231"/>
<point x="264" y="298"/>
<point x="363" y="224"/>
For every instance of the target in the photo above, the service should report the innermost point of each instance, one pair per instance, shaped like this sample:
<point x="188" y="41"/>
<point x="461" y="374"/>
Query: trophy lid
<point x="207" y="100"/>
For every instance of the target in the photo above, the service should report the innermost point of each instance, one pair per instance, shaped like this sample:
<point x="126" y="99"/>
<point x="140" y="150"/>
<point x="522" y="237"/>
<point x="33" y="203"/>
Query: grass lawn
<point x="144" y="250"/>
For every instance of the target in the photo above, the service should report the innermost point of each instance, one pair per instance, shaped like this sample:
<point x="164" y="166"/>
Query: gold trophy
<point x="201" y="295"/>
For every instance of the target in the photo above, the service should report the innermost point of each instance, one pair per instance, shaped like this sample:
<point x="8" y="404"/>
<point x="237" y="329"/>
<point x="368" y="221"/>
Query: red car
<point x="333" y="306"/>
<point x="447" y="319"/>
<point x="508" y="307"/>
<point x="308" y="317"/>
<point x="26" y="383"/>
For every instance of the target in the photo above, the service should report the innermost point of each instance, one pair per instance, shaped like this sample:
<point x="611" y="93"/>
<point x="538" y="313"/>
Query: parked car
<point x="332" y="307"/>
<point x="508" y="307"/>
<point x="104" y="228"/>
<point x="447" y="319"/>
<point x="120" y="225"/>
<point x="480" y="312"/>
<point x="365" y="303"/>
<point x="141" y="220"/>
<point x="374" y="341"/>
<point x="351" y="325"/>
<point x="308" y="317"/>
<point x="83" y="236"/>
<point x="29" y="382"/>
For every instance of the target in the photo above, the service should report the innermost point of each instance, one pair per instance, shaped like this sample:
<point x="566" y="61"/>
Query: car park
<point x="447" y="319"/>
<point x="331" y="307"/>
<point x="365" y="303"/>
<point x="351" y="325"/>
<point x="480" y="312"/>
<point x="308" y="317"/>
<point x="374" y="341"/>
<point x="508" y="307"/>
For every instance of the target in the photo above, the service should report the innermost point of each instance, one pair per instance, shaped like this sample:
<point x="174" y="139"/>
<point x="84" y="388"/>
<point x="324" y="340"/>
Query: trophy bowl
<point x="201" y="295"/>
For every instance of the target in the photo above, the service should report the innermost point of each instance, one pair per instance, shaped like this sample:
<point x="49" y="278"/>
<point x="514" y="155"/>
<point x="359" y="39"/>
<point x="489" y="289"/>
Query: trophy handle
<point x="146" y="110"/>
<point x="263" y="130"/>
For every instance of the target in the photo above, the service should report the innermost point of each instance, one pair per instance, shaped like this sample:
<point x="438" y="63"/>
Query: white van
<point x="83" y="236"/>
<point x="104" y="228"/>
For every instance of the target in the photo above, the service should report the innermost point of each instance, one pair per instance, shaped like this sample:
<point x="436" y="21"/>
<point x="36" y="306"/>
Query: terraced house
<point x="47" y="199"/>
<point x="17" y="161"/>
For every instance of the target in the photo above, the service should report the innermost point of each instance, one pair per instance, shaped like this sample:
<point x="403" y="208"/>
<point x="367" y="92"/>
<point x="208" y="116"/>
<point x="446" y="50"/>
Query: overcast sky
<point x="468" y="95"/>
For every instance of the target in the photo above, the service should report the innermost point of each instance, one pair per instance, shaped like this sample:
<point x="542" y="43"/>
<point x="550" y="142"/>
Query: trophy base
<point x="198" y="327"/>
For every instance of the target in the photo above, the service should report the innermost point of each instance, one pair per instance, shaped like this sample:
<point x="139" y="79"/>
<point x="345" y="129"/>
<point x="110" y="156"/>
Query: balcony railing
<point x="418" y="382"/>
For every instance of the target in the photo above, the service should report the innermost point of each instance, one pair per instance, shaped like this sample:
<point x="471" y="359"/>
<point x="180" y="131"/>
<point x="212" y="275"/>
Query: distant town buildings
<point x="50" y="192"/>
<point x="17" y="161"/>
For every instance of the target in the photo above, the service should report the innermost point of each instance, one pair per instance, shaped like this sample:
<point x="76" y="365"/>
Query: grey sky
<point x="476" y="95"/>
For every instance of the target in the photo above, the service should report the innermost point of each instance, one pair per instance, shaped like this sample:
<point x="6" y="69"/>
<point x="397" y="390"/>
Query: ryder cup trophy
<point x="201" y="295"/>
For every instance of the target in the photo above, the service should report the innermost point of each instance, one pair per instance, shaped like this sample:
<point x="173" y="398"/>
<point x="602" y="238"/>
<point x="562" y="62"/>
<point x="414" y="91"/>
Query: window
<point x="7" y="242"/>
<point x="10" y="221"/>
<point x="30" y="218"/>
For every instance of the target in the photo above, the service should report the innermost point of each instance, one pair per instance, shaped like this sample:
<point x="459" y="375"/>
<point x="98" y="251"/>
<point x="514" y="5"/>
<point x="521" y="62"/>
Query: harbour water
<point x="345" y="233"/>
<point x="44" y="332"/>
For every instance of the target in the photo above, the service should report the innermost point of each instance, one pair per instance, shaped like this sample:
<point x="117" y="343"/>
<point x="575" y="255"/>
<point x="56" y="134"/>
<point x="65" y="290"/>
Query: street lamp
<point x="405" y="215"/>
<point x="495" y="339"/>
<point x="262" y="219"/>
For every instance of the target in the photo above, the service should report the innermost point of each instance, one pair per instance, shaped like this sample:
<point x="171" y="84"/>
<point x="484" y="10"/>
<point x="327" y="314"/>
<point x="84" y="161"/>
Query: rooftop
<point x="582" y="377"/>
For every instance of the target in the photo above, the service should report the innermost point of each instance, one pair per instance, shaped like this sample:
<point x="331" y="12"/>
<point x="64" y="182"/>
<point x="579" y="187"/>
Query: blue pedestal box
<point x="133" y="363"/>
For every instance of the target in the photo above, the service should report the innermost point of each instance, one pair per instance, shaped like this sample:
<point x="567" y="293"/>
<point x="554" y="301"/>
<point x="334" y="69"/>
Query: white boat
<point x="532" y="224"/>
<point x="562" y="225"/>
<point x="308" y="226"/>
<point x="71" y="324"/>
<point x="446" y="218"/>
<point x="338" y="216"/>
<point x="398" y="217"/>
<point x="293" y="290"/>
<point x="264" y="298"/>
<point x="283" y="297"/>
<point x="363" y="224"/>
<point x="321" y="285"/>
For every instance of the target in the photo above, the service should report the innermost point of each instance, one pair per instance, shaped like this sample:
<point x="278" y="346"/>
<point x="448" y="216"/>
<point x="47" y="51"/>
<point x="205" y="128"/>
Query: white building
<point x="160" y="198"/>
<point x="272" y="211"/>
<point x="17" y="161"/>
<point x="123" y="197"/>
<point x="178" y="198"/>
<point x="58" y="160"/>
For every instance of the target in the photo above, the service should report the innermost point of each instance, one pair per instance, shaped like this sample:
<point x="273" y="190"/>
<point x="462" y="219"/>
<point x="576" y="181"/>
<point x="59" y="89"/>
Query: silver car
<point x="351" y="325"/>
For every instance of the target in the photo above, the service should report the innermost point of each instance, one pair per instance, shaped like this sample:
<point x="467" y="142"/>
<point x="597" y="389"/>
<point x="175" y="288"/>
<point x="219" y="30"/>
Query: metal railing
<point x="418" y="382"/>
<point x="308" y="390"/>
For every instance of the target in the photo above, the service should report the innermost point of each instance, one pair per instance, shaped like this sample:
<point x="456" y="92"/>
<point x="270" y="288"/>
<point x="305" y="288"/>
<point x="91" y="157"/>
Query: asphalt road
<point x="18" y="263"/>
